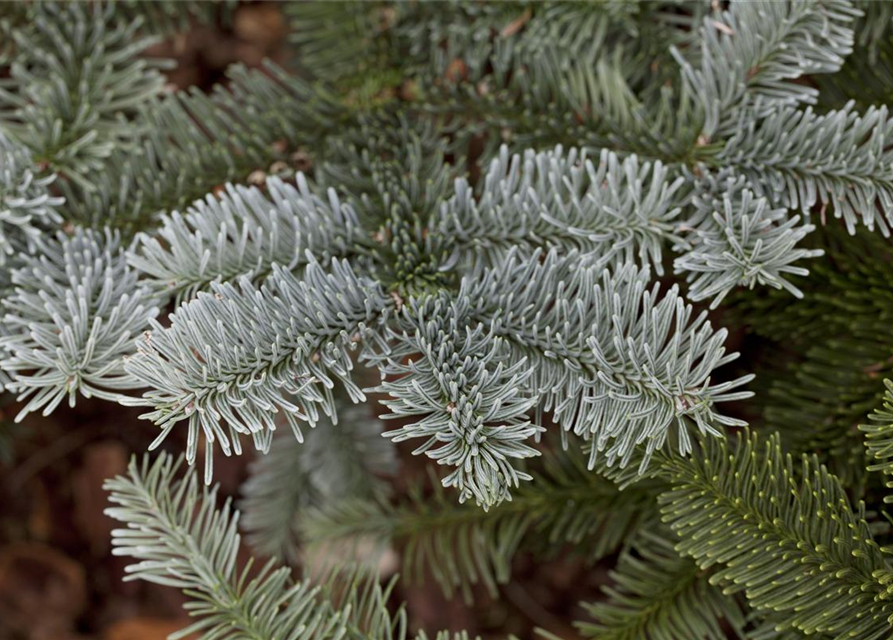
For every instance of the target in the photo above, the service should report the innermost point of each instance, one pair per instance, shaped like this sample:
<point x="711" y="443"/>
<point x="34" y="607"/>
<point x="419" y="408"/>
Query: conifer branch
<point x="615" y="362"/>
<point x="658" y="595"/>
<point x="71" y="320"/>
<point x="743" y="242"/>
<point x="76" y="85"/>
<point x="195" y="141"/>
<point x="736" y="69"/>
<point x="787" y="538"/>
<point x="798" y="159"/>
<point x="243" y="233"/>
<point x="387" y="167"/>
<point x="836" y="344"/>
<point x="879" y="439"/>
<point x="169" y="17"/>
<point x="179" y="538"/>
<point x="233" y="359"/>
<point x="27" y="207"/>
<point x="611" y="212"/>
<point x="471" y="406"/>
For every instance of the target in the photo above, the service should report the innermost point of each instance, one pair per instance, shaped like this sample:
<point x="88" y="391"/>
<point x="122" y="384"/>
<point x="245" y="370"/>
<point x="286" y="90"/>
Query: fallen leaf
<point x="145" y="628"/>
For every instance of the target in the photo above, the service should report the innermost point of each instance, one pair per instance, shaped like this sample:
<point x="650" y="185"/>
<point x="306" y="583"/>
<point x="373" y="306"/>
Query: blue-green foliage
<point x="500" y="226"/>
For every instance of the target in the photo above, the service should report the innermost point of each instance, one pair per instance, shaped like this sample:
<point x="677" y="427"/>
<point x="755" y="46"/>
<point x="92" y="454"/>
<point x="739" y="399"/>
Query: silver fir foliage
<point x="27" y="207"/>
<point x="542" y="269"/>
<point x="611" y="211"/>
<point x="71" y="320"/>
<point x="614" y="361"/>
<point x="840" y="160"/>
<point x="743" y="242"/>
<point x="735" y="71"/>
<point x="470" y="403"/>
<point x="243" y="233"/>
<point x="233" y="359"/>
<point x="498" y="298"/>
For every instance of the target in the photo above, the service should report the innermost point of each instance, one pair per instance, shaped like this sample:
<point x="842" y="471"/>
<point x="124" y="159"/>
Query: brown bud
<point x="456" y="70"/>
<point x="301" y="160"/>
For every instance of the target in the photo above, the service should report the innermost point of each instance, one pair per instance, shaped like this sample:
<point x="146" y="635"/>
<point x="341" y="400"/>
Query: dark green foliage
<point x="866" y="75"/>
<point x="75" y="86"/>
<point x="522" y="73"/>
<point x="835" y="351"/>
<point x="658" y="595"/>
<point x="879" y="439"/>
<point x="768" y="528"/>
<point x="165" y="17"/>
<point x="196" y="141"/>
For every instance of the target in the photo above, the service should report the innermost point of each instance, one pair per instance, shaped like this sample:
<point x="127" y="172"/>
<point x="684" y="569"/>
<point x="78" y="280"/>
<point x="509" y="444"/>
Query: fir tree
<point x="538" y="223"/>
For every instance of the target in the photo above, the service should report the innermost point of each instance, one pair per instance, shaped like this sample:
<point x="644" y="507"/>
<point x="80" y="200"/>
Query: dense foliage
<point x="546" y="227"/>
